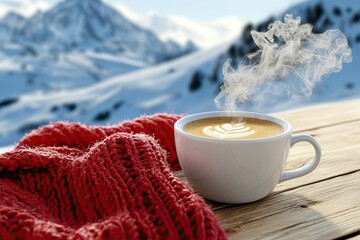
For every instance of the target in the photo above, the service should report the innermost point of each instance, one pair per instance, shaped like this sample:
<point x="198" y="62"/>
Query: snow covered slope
<point x="171" y="86"/>
<point x="185" y="85"/>
<point x="6" y="149"/>
<point x="323" y="15"/>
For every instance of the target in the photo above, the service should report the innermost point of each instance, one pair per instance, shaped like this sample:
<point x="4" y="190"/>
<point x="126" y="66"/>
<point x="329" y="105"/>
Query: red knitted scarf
<point x="71" y="181"/>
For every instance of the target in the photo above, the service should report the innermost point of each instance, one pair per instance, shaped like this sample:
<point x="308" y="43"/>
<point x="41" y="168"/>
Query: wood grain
<point x="323" y="210"/>
<point x="324" y="204"/>
<point x="356" y="237"/>
<point x="322" y="115"/>
<point x="340" y="154"/>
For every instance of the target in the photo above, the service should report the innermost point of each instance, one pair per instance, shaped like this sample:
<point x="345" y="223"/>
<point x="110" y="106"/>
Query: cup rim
<point x="180" y="123"/>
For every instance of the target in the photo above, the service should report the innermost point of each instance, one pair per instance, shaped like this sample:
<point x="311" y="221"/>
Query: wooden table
<point x="322" y="205"/>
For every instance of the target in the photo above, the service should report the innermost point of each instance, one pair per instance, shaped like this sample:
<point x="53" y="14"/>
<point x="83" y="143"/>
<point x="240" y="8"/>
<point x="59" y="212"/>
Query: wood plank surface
<point x="324" y="210"/>
<point x="340" y="154"/>
<point x="324" y="204"/>
<point x="322" y="115"/>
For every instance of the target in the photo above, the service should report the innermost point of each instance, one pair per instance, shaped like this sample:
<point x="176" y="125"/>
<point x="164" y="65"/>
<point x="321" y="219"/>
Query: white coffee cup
<point x="238" y="171"/>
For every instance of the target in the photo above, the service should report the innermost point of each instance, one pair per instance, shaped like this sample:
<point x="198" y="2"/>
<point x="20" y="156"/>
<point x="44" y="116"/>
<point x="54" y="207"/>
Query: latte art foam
<point x="228" y="130"/>
<point x="230" y="127"/>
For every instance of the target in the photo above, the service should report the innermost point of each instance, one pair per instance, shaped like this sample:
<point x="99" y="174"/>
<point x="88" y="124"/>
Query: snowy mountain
<point x="13" y="20"/>
<point x="185" y="31"/>
<point x="184" y="85"/>
<point x="166" y="87"/>
<point x="323" y="15"/>
<point x="85" y="24"/>
<point x="72" y="45"/>
<point x="9" y="23"/>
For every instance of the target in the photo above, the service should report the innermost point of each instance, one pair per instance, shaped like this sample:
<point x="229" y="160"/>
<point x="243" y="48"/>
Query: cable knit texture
<point x="71" y="181"/>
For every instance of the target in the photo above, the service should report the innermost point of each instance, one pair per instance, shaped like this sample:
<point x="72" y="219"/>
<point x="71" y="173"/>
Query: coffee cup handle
<point x="309" y="167"/>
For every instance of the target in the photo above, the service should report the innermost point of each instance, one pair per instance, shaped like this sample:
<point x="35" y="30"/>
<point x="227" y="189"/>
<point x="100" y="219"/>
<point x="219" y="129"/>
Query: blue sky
<point x="248" y="10"/>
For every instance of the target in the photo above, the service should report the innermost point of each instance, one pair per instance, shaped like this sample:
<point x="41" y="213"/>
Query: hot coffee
<point x="229" y="127"/>
<point x="237" y="171"/>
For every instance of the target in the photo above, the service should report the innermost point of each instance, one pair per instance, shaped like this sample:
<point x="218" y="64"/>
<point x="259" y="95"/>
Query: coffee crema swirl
<point x="228" y="130"/>
<point x="232" y="127"/>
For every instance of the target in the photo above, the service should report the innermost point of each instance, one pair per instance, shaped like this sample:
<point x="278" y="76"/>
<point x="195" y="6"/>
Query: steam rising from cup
<point x="291" y="61"/>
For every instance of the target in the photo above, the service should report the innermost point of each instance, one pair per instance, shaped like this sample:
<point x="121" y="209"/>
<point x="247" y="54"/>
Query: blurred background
<point x="104" y="61"/>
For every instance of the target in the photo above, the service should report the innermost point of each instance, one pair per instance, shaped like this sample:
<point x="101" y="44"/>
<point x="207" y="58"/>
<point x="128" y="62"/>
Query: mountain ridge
<point x="184" y="85"/>
<point x="90" y="24"/>
<point x="321" y="15"/>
